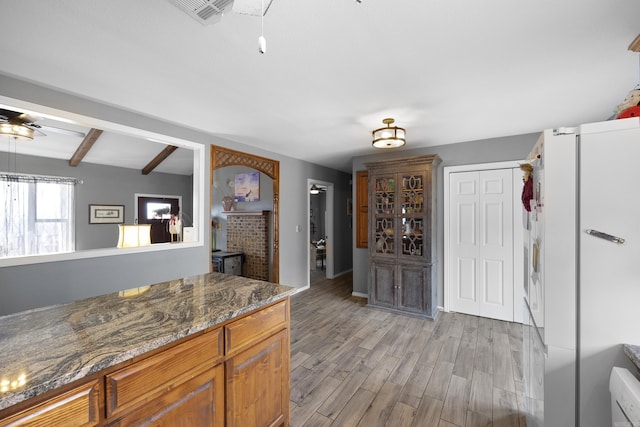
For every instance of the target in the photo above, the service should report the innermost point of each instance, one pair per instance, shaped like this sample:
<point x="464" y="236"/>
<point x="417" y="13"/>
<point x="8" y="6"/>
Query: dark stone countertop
<point x="633" y="352"/>
<point x="45" y="348"/>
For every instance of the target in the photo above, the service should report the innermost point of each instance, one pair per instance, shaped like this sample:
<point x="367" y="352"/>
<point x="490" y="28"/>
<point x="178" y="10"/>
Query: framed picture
<point x="106" y="214"/>
<point x="247" y="187"/>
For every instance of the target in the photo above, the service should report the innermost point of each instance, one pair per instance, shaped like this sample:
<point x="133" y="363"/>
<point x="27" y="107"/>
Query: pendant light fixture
<point x="388" y="137"/>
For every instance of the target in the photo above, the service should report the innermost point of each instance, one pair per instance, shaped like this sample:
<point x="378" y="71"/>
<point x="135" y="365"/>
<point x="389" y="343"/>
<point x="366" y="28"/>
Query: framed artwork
<point x="106" y="214"/>
<point x="247" y="187"/>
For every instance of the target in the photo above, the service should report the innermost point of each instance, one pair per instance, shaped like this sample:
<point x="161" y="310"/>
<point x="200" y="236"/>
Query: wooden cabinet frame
<point x="402" y="235"/>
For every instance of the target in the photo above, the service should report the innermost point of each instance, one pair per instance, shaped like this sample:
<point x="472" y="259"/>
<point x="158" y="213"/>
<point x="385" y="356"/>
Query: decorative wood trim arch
<point x="221" y="157"/>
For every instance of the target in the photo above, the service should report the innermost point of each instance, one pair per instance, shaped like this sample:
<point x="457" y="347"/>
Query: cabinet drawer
<point x="197" y="402"/>
<point x="77" y="407"/>
<point x="146" y="379"/>
<point x="256" y="326"/>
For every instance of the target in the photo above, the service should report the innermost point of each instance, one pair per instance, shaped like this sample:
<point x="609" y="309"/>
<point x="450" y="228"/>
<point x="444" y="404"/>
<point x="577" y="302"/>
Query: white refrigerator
<point x="582" y="274"/>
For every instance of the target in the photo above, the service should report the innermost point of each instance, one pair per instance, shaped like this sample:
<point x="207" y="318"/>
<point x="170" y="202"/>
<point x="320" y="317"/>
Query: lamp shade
<point x="388" y="137"/>
<point x="16" y="131"/>
<point x="133" y="236"/>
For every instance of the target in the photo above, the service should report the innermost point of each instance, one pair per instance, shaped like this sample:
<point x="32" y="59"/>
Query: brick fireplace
<point x="249" y="232"/>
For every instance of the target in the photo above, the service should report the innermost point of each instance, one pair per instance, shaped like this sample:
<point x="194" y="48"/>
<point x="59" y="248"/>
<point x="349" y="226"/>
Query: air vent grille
<point x="204" y="11"/>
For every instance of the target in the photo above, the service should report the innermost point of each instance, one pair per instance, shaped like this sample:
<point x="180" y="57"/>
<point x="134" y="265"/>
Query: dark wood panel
<point x="362" y="209"/>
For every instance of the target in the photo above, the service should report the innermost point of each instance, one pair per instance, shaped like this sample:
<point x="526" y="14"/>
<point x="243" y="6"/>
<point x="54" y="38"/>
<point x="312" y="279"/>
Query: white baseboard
<point x="304" y="288"/>
<point x="342" y="273"/>
<point x="359" y="294"/>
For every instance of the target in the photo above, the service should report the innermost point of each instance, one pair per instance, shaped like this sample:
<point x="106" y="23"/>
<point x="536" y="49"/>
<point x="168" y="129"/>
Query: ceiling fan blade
<point x="62" y="131"/>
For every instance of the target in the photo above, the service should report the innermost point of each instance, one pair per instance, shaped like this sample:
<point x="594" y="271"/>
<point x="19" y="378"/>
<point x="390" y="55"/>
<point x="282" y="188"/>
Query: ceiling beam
<point x="635" y="44"/>
<point x="158" y="159"/>
<point x="85" y="146"/>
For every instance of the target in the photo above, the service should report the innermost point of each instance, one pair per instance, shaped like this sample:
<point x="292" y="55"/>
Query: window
<point x="36" y="215"/>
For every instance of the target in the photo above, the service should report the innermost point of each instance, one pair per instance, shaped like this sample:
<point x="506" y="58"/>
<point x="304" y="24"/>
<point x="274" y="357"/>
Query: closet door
<point x="481" y="243"/>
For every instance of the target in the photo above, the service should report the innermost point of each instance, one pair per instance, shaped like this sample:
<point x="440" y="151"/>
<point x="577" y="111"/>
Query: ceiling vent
<point x="206" y="12"/>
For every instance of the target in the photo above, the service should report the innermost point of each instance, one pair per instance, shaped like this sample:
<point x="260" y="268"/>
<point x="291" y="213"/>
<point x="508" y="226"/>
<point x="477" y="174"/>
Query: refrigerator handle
<point x="605" y="236"/>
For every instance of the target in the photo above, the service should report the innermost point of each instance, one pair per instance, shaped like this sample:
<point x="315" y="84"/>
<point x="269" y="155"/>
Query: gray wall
<point x="465" y="153"/>
<point x="107" y="185"/>
<point x="220" y="189"/>
<point x="29" y="286"/>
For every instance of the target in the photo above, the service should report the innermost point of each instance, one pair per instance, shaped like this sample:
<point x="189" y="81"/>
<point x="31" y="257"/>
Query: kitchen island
<point x="211" y="349"/>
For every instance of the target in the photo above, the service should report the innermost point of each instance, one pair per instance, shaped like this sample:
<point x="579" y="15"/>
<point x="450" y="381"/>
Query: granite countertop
<point x="45" y="348"/>
<point x="633" y="352"/>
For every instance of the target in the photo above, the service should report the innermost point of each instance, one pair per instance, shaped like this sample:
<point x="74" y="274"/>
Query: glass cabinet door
<point x="384" y="200"/>
<point x="412" y="214"/>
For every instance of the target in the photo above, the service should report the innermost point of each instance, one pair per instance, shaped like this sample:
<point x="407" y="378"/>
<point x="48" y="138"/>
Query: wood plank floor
<point x="352" y="365"/>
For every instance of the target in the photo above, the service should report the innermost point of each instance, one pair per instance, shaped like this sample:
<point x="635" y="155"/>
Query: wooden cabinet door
<point x="197" y="402"/>
<point x="257" y="384"/>
<point x="383" y="284"/>
<point x="148" y="379"/>
<point x="383" y="213"/>
<point x="411" y="292"/>
<point x="78" y="407"/>
<point x="412" y="213"/>
<point x="362" y="209"/>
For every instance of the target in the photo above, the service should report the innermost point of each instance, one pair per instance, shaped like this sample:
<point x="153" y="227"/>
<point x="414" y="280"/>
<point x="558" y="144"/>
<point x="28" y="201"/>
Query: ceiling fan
<point x="316" y="189"/>
<point x="26" y="126"/>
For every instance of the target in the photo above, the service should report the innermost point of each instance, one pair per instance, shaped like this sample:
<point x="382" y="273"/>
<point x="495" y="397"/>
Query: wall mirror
<point x="110" y="164"/>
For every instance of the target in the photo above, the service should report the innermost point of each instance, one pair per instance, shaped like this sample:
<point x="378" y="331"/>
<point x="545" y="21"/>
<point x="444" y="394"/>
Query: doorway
<point x="221" y="157"/>
<point x="320" y="230"/>
<point x="157" y="210"/>
<point x="483" y="240"/>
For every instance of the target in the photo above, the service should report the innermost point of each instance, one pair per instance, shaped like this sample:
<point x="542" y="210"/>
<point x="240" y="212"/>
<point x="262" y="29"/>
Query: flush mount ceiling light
<point x="388" y="137"/>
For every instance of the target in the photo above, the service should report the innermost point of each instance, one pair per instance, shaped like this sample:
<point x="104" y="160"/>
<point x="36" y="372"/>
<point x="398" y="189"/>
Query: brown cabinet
<point x="199" y="401"/>
<point x="256" y="370"/>
<point x="262" y="370"/>
<point x="80" y="406"/>
<point x="362" y="208"/>
<point x="402" y="227"/>
<point x="148" y="387"/>
<point x="234" y="375"/>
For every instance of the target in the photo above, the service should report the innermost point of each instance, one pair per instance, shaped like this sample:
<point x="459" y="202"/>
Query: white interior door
<point x="481" y="243"/>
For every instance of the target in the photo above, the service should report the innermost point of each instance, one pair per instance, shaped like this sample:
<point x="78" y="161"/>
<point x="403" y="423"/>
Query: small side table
<point x="228" y="262"/>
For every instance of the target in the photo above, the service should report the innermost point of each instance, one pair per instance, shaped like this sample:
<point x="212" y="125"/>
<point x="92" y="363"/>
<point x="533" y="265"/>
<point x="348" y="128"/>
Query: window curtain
<point x="36" y="215"/>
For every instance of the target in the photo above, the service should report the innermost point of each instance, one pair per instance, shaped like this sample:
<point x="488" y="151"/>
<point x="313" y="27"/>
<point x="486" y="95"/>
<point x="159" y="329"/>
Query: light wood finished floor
<point x="352" y="365"/>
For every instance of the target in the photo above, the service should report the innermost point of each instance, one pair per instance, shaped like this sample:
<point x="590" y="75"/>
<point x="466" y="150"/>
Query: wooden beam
<point x="635" y="44"/>
<point x="85" y="146"/>
<point x="159" y="159"/>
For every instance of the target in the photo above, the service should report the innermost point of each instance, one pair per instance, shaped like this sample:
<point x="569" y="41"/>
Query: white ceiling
<point x="111" y="148"/>
<point x="447" y="70"/>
